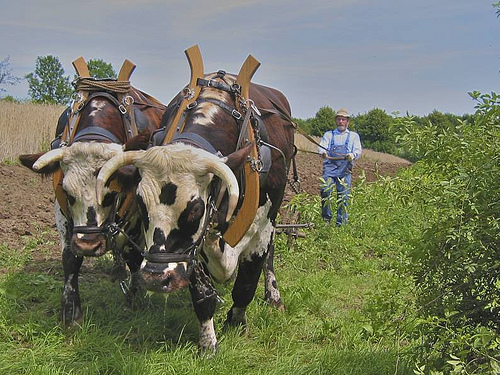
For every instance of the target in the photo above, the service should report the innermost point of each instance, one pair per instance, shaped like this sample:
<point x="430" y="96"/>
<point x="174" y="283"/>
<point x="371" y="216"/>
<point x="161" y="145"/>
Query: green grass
<point x="343" y="300"/>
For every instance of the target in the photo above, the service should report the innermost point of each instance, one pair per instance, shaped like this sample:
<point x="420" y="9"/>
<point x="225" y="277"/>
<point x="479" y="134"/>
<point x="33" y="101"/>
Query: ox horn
<point x="110" y="167"/>
<point x="49" y="157"/>
<point x="221" y="170"/>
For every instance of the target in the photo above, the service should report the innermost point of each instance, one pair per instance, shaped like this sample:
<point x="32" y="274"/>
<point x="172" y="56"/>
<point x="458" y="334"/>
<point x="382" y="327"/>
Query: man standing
<point x="339" y="148"/>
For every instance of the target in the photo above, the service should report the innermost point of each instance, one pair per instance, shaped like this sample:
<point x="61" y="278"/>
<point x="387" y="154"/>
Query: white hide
<point x="208" y="339"/>
<point x="97" y="106"/>
<point x="255" y="241"/>
<point x="163" y="216"/>
<point x="61" y="225"/>
<point x="207" y="111"/>
<point x="79" y="165"/>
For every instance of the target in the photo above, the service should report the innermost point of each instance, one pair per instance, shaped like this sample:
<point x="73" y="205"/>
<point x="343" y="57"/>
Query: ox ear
<point x="236" y="160"/>
<point x="28" y="160"/>
<point x="139" y="142"/>
<point x="127" y="178"/>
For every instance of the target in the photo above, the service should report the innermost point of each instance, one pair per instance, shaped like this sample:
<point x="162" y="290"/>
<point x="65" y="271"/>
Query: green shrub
<point x="456" y="264"/>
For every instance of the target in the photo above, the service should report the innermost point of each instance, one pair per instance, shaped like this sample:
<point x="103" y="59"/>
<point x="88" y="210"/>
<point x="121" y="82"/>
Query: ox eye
<point x="109" y="199"/>
<point x="196" y="212"/>
<point x="71" y="199"/>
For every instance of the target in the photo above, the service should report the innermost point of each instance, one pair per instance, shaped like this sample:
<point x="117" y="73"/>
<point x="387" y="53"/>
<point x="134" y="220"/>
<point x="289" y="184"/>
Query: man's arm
<point x="325" y="142"/>
<point x="356" y="147"/>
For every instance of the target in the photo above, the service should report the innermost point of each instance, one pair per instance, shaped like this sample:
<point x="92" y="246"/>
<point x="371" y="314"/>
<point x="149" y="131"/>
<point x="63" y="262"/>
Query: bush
<point x="456" y="263"/>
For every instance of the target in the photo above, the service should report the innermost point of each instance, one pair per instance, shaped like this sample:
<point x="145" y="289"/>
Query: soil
<point x="27" y="205"/>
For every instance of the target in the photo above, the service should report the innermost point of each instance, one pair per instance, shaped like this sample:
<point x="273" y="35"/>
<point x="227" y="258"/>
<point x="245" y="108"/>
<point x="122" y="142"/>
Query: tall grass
<point x="26" y="128"/>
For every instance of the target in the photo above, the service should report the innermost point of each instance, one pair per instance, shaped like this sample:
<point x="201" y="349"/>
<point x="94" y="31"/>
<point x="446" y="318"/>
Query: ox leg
<point x="204" y="297"/>
<point x="71" y="309"/>
<point x="134" y="260"/>
<point x="244" y="289"/>
<point x="118" y="272"/>
<point x="272" y="294"/>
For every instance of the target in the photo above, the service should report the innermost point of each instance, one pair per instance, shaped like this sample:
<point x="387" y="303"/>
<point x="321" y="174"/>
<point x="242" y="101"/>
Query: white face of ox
<point x="80" y="165"/>
<point x="172" y="196"/>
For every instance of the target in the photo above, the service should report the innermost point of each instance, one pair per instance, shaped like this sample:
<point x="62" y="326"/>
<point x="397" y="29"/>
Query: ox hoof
<point x="280" y="306"/>
<point x="70" y="321"/>
<point x="208" y="351"/>
<point x="236" y="318"/>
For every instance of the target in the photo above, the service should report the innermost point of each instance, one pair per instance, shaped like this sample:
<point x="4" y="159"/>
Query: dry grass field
<point x="26" y="128"/>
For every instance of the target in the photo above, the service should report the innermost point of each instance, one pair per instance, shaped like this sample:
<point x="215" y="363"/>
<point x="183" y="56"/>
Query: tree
<point x="48" y="83"/>
<point x="100" y="69"/>
<point x="6" y="76"/>
<point x="375" y="130"/>
<point x="323" y="121"/>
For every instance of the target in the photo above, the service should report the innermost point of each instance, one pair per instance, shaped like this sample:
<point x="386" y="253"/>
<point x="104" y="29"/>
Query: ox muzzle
<point x="168" y="272"/>
<point x="91" y="240"/>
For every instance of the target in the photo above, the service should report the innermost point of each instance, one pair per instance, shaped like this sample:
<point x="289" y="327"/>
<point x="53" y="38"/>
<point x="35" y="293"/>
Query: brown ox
<point x="87" y="228"/>
<point x="180" y="189"/>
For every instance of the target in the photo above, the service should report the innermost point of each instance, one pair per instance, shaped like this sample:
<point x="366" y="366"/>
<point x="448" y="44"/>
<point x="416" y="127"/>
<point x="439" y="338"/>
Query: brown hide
<point x="223" y="133"/>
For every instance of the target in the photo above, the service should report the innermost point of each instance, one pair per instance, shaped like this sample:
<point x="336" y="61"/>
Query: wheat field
<point x="26" y="128"/>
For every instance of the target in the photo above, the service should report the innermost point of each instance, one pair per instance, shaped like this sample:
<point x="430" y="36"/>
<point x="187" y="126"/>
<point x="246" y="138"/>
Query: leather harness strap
<point x="88" y="90"/>
<point x="230" y="110"/>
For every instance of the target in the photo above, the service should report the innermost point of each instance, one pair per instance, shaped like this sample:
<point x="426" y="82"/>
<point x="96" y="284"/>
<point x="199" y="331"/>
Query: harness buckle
<point x="235" y="87"/>
<point x="113" y="229"/>
<point x="257" y="165"/>
<point x="236" y="114"/>
<point x="254" y="107"/>
<point x="122" y="109"/>
<point x="128" y="100"/>
<point x="192" y="105"/>
<point x="188" y="93"/>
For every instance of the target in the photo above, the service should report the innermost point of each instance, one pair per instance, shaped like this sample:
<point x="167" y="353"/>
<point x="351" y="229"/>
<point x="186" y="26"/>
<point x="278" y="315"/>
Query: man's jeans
<point x="342" y="187"/>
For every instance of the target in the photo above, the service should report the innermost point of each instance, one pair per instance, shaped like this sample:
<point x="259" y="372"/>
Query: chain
<point x="205" y="282"/>
<point x="295" y="185"/>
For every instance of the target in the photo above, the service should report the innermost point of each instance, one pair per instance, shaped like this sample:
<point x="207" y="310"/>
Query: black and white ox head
<point x="172" y="195"/>
<point x="80" y="164"/>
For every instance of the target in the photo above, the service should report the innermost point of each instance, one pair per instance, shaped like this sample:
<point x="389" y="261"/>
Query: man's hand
<point x="350" y="157"/>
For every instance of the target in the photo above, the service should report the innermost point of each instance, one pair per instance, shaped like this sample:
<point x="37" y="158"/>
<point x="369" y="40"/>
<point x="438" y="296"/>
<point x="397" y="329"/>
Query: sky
<point x="396" y="55"/>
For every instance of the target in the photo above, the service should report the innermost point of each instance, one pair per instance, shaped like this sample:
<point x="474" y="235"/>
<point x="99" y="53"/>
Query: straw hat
<point x="343" y="112"/>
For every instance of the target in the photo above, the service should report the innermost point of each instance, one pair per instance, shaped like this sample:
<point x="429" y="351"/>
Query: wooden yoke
<point x="82" y="70"/>
<point x="126" y="71"/>
<point x="246" y="214"/>
<point x="68" y="133"/>
<point x="192" y="91"/>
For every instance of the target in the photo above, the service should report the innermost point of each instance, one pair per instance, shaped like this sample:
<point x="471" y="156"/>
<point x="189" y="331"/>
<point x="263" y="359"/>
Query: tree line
<point x="379" y="130"/>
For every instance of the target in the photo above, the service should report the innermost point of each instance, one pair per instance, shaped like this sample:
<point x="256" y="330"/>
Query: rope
<point x="90" y="84"/>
